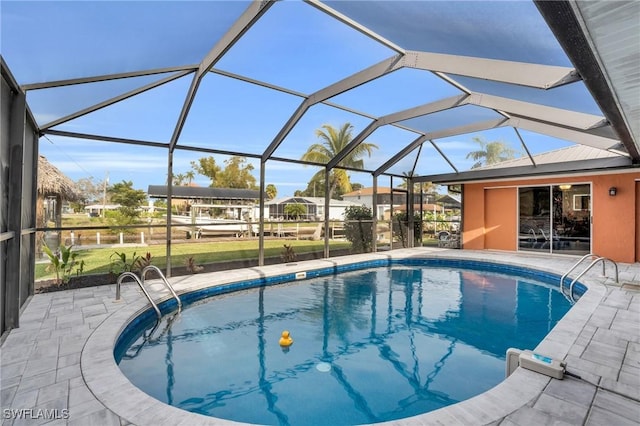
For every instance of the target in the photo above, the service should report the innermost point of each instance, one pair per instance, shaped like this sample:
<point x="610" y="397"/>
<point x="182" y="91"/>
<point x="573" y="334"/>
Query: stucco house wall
<point x="490" y="214"/>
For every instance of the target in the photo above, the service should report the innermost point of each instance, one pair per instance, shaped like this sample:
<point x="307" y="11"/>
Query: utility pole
<point x="104" y="193"/>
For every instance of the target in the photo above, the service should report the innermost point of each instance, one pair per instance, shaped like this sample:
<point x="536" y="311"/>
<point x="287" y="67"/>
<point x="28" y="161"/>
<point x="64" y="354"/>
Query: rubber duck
<point x="285" y="339"/>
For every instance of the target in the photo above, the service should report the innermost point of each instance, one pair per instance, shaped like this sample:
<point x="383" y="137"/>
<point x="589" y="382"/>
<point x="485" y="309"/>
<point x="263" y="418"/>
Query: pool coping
<point x="109" y="385"/>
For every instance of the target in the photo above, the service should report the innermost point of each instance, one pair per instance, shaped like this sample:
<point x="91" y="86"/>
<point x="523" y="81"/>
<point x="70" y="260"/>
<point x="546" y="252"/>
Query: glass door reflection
<point x="555" y="218"/>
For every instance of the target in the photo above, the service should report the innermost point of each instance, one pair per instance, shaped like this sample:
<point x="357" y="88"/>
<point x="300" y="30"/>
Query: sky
<point x="294" y="46"/>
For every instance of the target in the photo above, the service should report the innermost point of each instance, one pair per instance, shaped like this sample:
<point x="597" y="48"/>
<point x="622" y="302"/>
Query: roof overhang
<point x="582" y="166"/>
<point x="605" y="50"/>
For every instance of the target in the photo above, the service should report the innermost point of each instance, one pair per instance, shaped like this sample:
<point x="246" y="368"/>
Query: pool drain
<point x="323" y="367"/>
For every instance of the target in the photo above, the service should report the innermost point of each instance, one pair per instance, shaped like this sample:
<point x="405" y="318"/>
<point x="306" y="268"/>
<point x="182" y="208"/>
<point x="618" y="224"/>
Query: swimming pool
<point x="373" y="345"/>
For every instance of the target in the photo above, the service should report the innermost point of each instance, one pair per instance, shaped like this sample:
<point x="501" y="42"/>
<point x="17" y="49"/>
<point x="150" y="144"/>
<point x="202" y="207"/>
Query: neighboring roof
<point x="369" y="191"/>
<point x="450" y="201"/>
<point x="310" y="200"/>
<point x="570" y="153"/>
<point x="160" y="191"/>
<point x="51" y="181"/>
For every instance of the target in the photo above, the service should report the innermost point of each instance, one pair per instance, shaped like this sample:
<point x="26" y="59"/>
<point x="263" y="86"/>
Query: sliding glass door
<point x="555" y="218"/>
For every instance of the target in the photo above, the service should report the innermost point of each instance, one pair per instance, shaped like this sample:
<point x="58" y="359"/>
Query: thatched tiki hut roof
<point x="52" y="182"/>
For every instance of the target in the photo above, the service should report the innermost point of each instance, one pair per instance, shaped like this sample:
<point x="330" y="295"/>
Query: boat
<point x="202" y="226"/>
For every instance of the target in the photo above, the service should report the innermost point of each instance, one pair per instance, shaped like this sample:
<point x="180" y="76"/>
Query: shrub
<point x="400" y="227"/>
<point x="120" y="263"/>
<point x="192" y="267"/>
<point x="63" y="262"/>
<point x="358" y="228"/>
<point x="288" y="254"/>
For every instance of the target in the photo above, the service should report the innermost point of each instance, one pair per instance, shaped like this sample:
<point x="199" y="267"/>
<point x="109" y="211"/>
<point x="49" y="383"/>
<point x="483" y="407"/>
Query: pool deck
<point x="57" y="368"/>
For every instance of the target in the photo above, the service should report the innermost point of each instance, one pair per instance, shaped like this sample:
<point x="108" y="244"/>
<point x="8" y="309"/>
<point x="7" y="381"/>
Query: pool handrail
<point x="575" y="265"/>
<point x="599" y="259"/>
<point x="143" y="274"/>
<point x="140" y="284"/>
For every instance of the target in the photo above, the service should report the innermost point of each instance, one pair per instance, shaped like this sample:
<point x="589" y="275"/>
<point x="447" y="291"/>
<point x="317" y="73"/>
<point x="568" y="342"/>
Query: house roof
<point x="574" y="159"/>
<point x="310" y="200"/>
<point x="562" y="155"/>
<point x="369" y="191"/>
<point x="51" y="181"/>
<point x="192" y="192"/>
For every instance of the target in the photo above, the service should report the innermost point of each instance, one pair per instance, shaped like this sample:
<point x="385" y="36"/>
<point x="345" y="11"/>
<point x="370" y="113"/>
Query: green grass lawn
<point x="98" y="260"/>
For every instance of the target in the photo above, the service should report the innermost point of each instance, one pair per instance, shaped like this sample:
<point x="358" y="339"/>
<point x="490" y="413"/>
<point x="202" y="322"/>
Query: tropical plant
<point x="358" y="228"/>
<point x="179" y="179"/>
<point x="191" y="266"/>
<point x="420" y="187"/>
<point x="332" y="142"/>
<point x="295" y="210"/>
<point x="119" y="220"/>
<point x="142" y="262"/>
<point x="271" y="191"/>
<point x="401" y="227"/>
<point x="120" y="263"/>
<point x="63" y="262"/>
<point x="190" y="176"/>
<point x="490" y="152"/>
<point x="288" y="254"/>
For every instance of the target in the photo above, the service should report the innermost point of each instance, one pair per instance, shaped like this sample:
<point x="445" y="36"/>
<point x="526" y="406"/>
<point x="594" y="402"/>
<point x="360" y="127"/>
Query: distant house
<point x="95" y="210"/>
<point x="364" y="197"/>
<point x="275" y="209"/>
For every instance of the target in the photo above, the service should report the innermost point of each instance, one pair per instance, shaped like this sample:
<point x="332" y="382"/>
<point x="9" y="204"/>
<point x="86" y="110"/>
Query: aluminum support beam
<point x="400" y="155"/>
<point x="261" y="214"/>
<point x="526" y="148"/>
<point x="88" y="136"/>
<point x="114" y="100"/>
<point x="374" y="222"/>
<point x="169" y="210"/>
<point x="407" y="114"/>
<point x="106" y="77"/>
<point x="437" y="148"/>
<point x="385" y="67"/>
<point x="250" y="16"/>
<point x="468" y="128"/>
<point x="520" y="73"/>
<point x="353" y="24"/>
<point x="426" y="109"/>
<point x="565" y="133"/>
<point x="549" y="114"/>
<point x="14" y="187"/>
<point x="327" y="209"/>
<point x="351" y="145"/>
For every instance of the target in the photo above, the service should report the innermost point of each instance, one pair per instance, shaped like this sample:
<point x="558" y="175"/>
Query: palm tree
<point x="271" y="191"/>
<point x="490" y="152"/>
<point x="333" y="141"/>
<point x="178" y="179"/>
<point x="190" y="176"/>
<point x="424" y="187"/>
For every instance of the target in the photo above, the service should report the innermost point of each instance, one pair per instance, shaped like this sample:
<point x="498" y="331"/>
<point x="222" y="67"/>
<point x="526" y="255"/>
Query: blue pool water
<point x="370" y="345"/>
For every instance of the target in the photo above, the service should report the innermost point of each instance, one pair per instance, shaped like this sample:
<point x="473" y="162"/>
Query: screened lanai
<point x="138" y="91"/>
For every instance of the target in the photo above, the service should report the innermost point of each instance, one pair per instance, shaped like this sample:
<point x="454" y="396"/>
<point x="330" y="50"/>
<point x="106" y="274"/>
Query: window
<point x="582" y="202"/>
